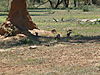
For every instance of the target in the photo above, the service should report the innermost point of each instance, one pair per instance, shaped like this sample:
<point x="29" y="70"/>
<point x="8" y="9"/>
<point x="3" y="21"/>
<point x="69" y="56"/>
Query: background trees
<point x="5" y="4"/>
<point x="63" y="3"/>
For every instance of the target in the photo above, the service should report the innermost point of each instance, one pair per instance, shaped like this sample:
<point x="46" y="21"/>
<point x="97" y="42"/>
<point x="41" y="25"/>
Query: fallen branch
<point x="55" y="20"/>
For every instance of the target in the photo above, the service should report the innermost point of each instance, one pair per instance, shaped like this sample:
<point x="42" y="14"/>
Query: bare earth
<point x="59" y="59"/>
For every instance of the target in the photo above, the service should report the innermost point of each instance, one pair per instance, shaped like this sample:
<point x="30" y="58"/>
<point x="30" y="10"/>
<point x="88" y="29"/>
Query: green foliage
<point x="86" y="8"/>
<point x="3" y="5"/>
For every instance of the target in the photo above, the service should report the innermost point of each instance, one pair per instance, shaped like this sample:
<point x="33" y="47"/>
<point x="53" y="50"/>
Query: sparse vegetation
<point x="77" y="55"/>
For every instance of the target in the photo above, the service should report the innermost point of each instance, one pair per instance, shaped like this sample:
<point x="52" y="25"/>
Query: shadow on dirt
<point x="85" y="39"/>
<point x="50" y="41"/>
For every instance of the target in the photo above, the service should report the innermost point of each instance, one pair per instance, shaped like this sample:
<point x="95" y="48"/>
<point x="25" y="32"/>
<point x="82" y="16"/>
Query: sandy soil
<point x="68" y="58"/>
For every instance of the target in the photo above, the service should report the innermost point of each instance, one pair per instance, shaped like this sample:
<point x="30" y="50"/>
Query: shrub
<point x="86" y="8"/>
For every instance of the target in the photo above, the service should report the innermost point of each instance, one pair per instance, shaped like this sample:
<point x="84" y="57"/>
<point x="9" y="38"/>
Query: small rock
<point x="33" y="47"/>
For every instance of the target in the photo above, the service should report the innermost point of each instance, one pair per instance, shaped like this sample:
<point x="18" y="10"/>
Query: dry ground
<point x="64" y="58"/>
<point x="79" y="55"/>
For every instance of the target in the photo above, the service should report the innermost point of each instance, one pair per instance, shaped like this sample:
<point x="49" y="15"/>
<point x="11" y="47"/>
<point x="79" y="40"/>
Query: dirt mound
<point x="19" y="17"/>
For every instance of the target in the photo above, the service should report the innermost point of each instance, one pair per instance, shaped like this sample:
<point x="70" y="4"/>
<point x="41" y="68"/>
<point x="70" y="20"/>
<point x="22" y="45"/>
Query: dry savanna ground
<point x="78" y="55"/>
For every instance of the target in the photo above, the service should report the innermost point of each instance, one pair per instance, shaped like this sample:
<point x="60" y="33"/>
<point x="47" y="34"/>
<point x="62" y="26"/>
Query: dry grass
<point x="79" y="55"/>
<point x="70" y="59"/>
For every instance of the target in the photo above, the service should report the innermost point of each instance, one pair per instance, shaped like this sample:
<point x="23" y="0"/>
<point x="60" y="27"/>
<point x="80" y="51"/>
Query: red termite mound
<point x="19" y="17"/>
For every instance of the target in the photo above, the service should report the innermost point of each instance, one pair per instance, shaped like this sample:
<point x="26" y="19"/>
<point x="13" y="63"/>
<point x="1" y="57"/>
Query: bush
<point x="86" y="8"/>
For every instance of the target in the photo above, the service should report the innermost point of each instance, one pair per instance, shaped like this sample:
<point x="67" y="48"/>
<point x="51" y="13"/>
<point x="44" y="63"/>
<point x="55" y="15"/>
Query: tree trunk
<point x="51" y="3"/>
<point x="94" y="1"/>
<point x="55" y="5"/>
<point x="87" y="2"/>
<point x="78" y="3"/>
<point x="66" y="3"/>
<point x="18" y="17"/>
<point x="75" y="4"/>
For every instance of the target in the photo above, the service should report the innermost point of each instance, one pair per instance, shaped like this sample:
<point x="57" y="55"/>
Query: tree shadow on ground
<point x="37" y="10"/>
<point x="38" y="14"/>
<point x="50" y="41"/>
<point x="3" y="14"/>
<point x="51" y="8"/>
<point x="85" y="39"/>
